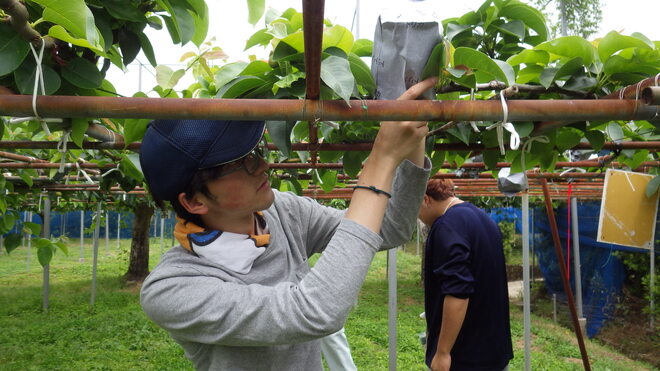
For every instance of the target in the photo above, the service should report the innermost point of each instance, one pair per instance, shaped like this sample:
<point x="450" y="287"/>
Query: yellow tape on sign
<point x="627" y="216"/>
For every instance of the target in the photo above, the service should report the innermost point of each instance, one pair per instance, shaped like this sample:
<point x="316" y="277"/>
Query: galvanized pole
<point x="162" y="232"/>
<point x="82" y="236"/>
<point x="46" y="234"/>
<point x="107" y="233"/>
<point x="97" y="231"/>
<point x="29" y="240"/>
<point x="576" y="258"/>
<point x="118" y="229"/>
<point x="391" y="308"/>
<point x="526" y="281"/>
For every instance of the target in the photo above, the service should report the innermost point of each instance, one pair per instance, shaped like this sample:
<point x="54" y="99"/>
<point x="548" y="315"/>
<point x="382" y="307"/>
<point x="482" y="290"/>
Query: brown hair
<point x="440" y="189"/>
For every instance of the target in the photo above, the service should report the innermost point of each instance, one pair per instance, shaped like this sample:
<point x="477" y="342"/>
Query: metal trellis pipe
<point x="312" y="110"/>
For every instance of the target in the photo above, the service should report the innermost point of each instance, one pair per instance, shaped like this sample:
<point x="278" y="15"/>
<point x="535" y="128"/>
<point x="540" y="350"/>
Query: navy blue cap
<point x="173" y="150"/>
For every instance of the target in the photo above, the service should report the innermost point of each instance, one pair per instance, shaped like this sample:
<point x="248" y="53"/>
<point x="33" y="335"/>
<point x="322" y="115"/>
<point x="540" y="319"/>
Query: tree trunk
<point x="138" y="265"/>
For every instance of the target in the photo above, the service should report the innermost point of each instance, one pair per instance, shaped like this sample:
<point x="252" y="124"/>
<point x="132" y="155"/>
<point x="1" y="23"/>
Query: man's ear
<point x="193" y="205"/>
<point x="427" y="200"/>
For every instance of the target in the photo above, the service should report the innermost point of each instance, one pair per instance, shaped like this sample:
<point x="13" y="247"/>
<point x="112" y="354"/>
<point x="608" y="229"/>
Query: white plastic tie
<point x="110" y="171"/>
<point x="572" y="169"/>
<point x="84" y="173"/>
<point x="473" y="123"/>
<point x="527" y="147"/>
<point x="514" y="142"/>
<point x="39" y="83"/>
<point x="61" y="148"/>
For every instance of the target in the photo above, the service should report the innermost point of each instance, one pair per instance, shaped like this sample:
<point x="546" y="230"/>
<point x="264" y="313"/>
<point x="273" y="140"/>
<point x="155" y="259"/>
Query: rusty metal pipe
<point x="306" y="110"/>
<point x="564" y="279"/>
<point x="313" y="38"/>
<point x="26" y="144"/>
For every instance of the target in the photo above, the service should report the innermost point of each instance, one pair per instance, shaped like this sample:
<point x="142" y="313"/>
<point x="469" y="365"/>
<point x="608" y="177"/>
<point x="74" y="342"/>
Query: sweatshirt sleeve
<point x="400" y="216"/>
<point x="407" y="194"/>
<point x="198" y="308"/>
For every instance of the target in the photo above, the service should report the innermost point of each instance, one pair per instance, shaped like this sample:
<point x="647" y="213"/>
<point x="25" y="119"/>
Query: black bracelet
<point x="374" y="189"/>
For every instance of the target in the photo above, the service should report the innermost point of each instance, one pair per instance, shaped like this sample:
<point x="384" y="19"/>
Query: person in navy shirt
<point x="465" y="285"/>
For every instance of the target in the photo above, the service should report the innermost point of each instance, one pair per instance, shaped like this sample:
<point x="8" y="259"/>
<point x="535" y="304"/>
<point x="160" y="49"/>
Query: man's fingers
<point x="419" y="88"/>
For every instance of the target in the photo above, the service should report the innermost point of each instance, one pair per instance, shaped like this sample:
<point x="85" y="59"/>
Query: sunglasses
<point x="250" y="162"/>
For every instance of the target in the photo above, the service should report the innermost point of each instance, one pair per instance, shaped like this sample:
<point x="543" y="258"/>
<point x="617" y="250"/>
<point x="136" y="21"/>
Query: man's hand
<point x="404" y="140"/>
<point x="441" y="362"/>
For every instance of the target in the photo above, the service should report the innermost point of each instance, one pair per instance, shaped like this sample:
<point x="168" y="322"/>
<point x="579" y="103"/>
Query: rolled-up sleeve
<point x="453" y="270"/>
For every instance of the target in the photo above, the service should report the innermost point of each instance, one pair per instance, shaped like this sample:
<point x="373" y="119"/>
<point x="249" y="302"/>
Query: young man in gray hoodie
<point x="238" y="293"/>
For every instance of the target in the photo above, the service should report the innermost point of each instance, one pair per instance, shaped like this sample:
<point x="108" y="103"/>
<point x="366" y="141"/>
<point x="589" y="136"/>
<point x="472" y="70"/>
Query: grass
<point x="116" y="335"/>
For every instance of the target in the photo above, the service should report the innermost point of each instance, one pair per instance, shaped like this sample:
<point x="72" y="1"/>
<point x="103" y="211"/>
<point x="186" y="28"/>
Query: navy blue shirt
<point x="464" y="258"/>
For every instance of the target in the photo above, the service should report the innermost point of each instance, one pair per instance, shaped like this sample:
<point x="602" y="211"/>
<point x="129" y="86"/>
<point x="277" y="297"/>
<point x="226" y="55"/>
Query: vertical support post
<point x="576" y="258"/>
<point x="651" y="286"/>
<point x="564" y="21"/>
<point x="554" y="307"/>
<point x="118" y="229"/>
<point x="97" y="231"/>
<point x="46" y="234"/>
<point x="526" y="282"/>
<point x="173" y="226"/>
<point x="82" y="236"/>
<point x="107" y="233"/>
<point x="562" y="271"/>
<point x="417" y="224"/>
<point x="162" y="232"/>
<point x="29" y="241"/>
<point x="391" y="308"/>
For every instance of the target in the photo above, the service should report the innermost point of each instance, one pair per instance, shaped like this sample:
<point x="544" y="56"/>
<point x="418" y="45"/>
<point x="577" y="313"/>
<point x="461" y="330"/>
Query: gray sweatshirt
<point x="272" y="317"/>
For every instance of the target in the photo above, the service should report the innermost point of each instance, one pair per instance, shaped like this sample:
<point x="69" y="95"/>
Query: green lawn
<point x="116" y="335"/>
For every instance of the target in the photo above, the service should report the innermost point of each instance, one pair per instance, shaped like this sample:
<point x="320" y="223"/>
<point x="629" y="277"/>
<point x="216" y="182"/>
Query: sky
<point x="229" y="25"/>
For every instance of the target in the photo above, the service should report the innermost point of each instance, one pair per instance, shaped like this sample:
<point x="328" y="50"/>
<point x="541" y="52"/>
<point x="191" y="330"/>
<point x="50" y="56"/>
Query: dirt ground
<point x="630" y="332"/>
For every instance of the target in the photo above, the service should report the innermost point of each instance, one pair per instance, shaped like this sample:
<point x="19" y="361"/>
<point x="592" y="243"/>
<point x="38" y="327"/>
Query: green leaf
<point x="256" y="68"/>
<point x="336" y="74"/>
<point x="13" y="49"/>
<point x="60" y="33"/>
<point x="62" y="247"/>
<point x="289" y="79"/>
<point x="45" y="253"/>
<point x="653" y="186"/>
<point x="256" y="10"/>
<point x="490" y="159"/>
<point x="32" y="228"/>
<point x="479" y="61"/>
<point x="239" y="86"/>
<point x="78" y="128"/>
<point x="280" y="134"/>
<point x="201" y="18"/>
<point x="337" y="36"/>
<point x="134" y="130"/>
<point x="567" y="138"/>
<point x="24" y="78"/>
<point x="27" y="178"/>
<point x="12" y="241"/>
<point x="3" y="204"/>
<point x="129" y="166"/>
<point x="614" y="41"/>
<point x="529" y="57"/>
<point x="327" y="179"/>
<point x="73" y="15"/>
<point x="228" y="72"/>
<point x="524" y="128"/>
<point x="82" y="73"/>
<point x="296" y="41"/>
<point x="514" y="28"/>
<point x="261" y="37"/>
<point x="461" y="131"/>
<point x="533" y="18"/>
<point x="362" y="73"/>
<point x="119" y="10"/>
<point x="363" y="47"/>
<point x="614" y="131"/>
<point x="436" y="62"/>
<point x="570" y="47"/>
<point x="352" y="162"/>
<point x="185" y="22"/>
<point x="8" y="221"/>
<point x="147" y="48"/>
<point x="437" y="160"/>
<point x="596" y="138"/>
<point x="168" y="78"/>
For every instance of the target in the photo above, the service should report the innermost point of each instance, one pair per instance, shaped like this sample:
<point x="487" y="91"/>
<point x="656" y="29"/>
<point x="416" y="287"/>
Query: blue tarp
<point x="601" y="271"/>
